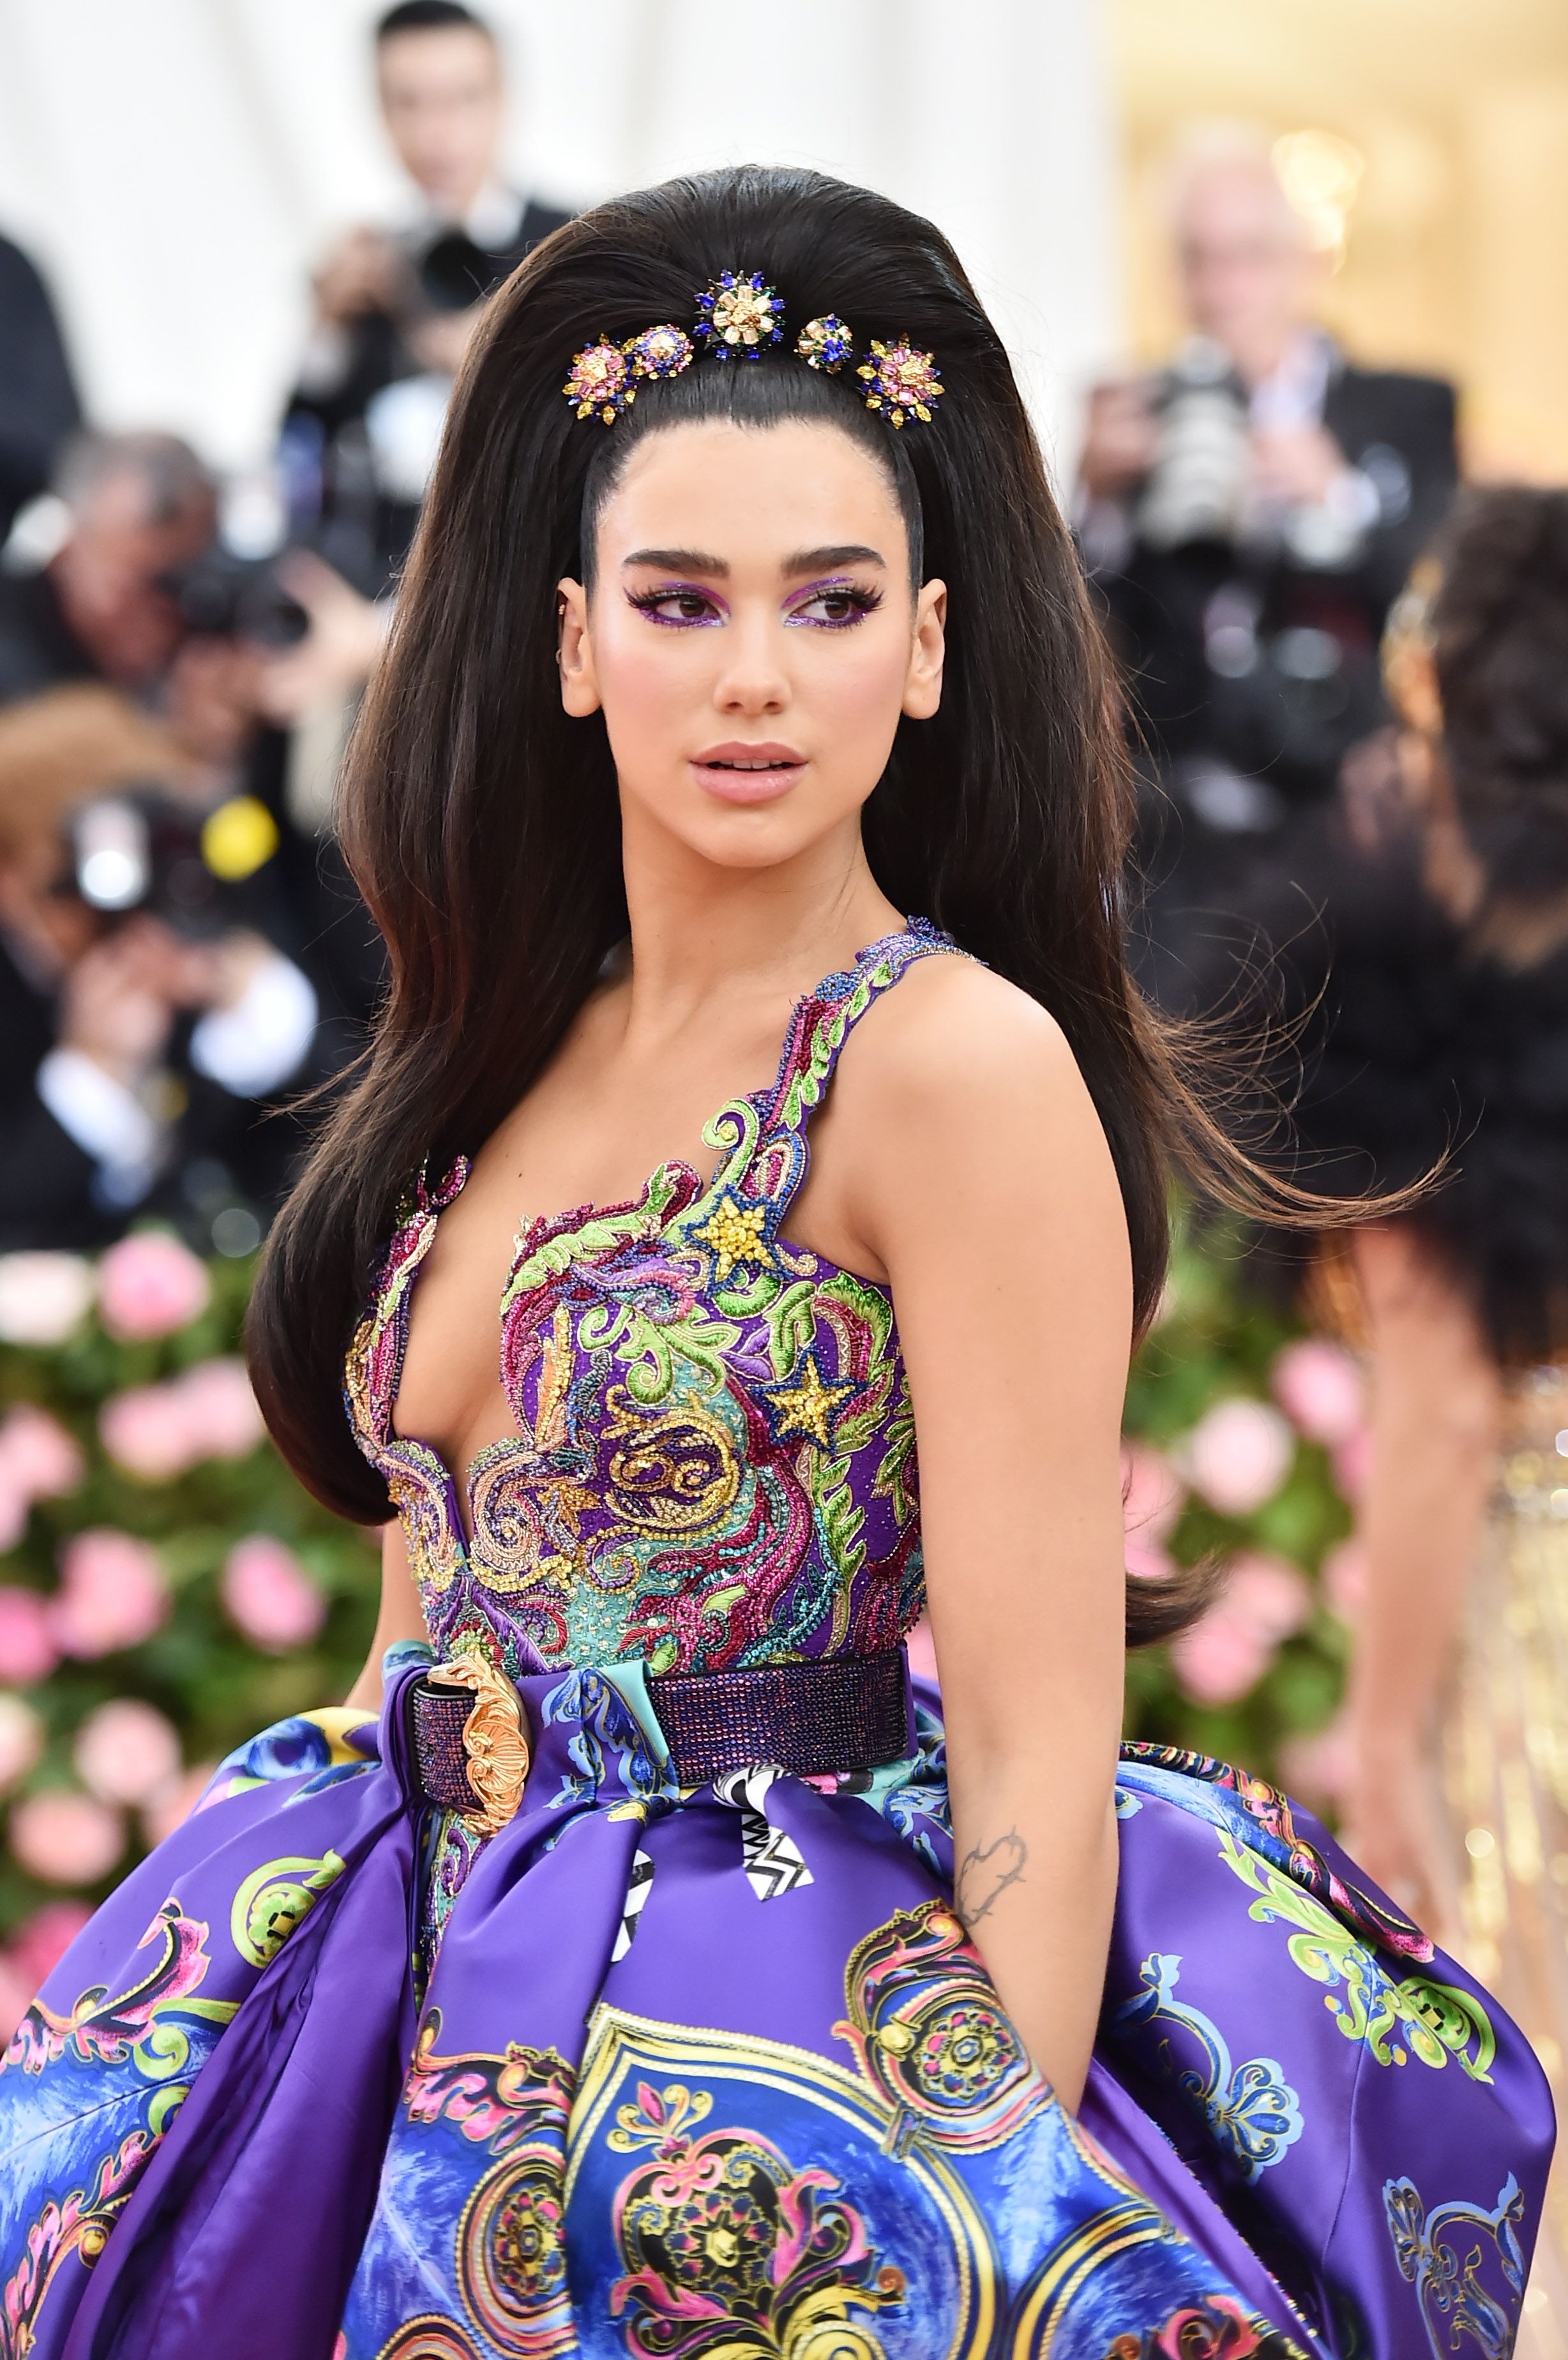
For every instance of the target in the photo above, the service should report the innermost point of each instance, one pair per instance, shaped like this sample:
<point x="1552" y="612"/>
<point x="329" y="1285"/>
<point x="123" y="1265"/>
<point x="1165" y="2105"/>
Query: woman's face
<point x="752" y="638"/>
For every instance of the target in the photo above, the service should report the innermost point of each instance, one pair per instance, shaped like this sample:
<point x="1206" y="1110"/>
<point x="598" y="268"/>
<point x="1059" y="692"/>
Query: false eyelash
<point x="646" y="602"/>
<point x="863" y="601"/>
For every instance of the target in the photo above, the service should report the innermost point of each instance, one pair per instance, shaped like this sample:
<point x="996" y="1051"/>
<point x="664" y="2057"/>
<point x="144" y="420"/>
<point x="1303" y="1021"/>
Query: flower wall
<point x="166" y="1588"/>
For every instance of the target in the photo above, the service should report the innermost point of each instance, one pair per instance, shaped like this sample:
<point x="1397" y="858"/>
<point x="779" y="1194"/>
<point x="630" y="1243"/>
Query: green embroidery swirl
<point x="1412" y="2017"/>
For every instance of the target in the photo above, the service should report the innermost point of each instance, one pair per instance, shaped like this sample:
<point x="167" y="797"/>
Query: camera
<point x="140" y="850"/>
<point x="221" y="596"/>
<point x="1197" y="488"/>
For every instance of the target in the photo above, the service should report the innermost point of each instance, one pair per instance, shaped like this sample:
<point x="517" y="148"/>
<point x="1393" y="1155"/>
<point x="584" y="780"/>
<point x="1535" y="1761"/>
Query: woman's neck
<point x="700" y="933"/>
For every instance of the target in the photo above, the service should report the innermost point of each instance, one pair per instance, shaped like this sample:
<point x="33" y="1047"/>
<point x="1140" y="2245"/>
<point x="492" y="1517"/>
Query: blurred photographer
<point x="131" y="511"/>
<point x="147" y="1015"/>
<point x="395" y="305"/>
<point x="1248" y="516"/>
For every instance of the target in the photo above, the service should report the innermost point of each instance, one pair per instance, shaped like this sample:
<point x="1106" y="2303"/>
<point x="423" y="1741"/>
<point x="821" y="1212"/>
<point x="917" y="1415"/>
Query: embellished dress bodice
<point x="714" y="1459"/>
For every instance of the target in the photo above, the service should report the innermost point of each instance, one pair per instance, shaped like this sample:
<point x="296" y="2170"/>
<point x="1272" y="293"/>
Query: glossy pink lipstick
<point x="741" y="772"/>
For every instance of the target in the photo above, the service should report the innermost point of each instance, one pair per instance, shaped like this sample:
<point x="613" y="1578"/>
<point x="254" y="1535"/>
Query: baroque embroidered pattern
<point x="714" y="1458"/>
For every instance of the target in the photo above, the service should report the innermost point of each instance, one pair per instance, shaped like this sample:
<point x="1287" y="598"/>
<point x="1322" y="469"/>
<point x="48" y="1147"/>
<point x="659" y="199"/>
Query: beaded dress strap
<point x="823" y="1022"/>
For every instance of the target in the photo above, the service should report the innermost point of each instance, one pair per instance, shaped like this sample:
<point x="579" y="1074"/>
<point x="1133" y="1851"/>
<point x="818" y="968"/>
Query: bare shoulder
<point x="960" y="1112"/>
<point x="955" y="1045"/>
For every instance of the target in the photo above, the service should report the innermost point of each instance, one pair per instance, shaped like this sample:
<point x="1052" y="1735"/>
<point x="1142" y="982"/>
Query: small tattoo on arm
<point x="986" y="1873"/>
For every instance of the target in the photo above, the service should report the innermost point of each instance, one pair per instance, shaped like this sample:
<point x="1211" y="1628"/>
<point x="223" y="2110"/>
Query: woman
<point x="649" y="1981"/>
<point x="1446" y="1029"/>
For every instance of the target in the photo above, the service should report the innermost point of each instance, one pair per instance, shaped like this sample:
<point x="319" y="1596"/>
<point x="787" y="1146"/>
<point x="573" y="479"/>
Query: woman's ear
<point x="574" y="651"/>
<point x="923" y="683"/>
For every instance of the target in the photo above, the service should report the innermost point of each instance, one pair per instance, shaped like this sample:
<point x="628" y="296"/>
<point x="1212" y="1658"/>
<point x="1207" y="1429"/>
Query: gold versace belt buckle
<point x="495" y="1742"/>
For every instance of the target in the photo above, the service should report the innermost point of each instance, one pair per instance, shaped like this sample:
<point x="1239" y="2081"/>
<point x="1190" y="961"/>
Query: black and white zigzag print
<point x="770" y="1857"/>
<point x="639" y="1884"/>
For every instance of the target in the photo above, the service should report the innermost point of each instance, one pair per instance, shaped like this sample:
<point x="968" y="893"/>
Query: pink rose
<point x="41" y="1940"/>
<point x="15" y="1996"/>
<point x="172" y="1804"/>
<point x="221" y="1418"/>
<point x="125" y="1751"/>
<point x="1146" y="1560"/>
<point x="43" y="1296"/>
<point x="1217" y="1660"/>
<point x="29" y="1648"/>
<point x="21" y="1740"/>
<point x="1238" y="1455"/>
<point x="1352" y="1464"/>
<point x="1345" y="1579"/>
<point x="1321" y="1389"/>
<point x="1153" y="1494"/>
<point x="157" y="1431"/>
<point x="269" y="1595"/>
<point x="1270" y="1598"/>
<point x="1220" y="1657"/>
<point x="37" y="1457"/>
<point x="149" y="1284"/>
<point x="66" y="1838"/>
<point x="112" y="1594"/>
<point x="146" y="1430"/>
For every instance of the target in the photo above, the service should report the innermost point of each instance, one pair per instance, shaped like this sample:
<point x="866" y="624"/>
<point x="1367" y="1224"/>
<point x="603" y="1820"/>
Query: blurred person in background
<point x="139" y="594"/>
<point x="146" y="1013"/>
<point x="1247" y="516"/>
<point x="133" y="510"/>
<point x="394" y="306"/>
<point x="38" y="408"/>
<point x="1435" y="997"/>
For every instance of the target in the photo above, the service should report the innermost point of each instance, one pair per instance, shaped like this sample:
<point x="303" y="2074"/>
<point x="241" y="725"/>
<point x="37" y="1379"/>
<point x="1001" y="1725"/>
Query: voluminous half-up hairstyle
<point x="482" y="823"/>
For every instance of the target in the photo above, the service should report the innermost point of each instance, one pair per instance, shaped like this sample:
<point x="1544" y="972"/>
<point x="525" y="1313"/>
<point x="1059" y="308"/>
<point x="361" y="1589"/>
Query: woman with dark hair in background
<point x="652" y="1977"/>
<point x="1445" y="1026"/>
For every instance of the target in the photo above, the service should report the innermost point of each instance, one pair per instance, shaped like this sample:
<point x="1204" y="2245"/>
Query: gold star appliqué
<point x="736" y="1235"/>
<point x="809" y="1406"/>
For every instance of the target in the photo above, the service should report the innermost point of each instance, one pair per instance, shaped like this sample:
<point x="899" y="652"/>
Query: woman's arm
<point x="401" y="1617"/>
<point x="1436" y="1413"/>
<point x="988" y="1193"/>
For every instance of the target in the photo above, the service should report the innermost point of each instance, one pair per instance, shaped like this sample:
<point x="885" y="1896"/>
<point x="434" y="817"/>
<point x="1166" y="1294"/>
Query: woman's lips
<point x="741" y="774"/>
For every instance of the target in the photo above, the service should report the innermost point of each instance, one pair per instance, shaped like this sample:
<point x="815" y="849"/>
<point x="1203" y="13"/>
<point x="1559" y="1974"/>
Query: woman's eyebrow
<point x="823" y="560"/>
<point x="677" y="561"/>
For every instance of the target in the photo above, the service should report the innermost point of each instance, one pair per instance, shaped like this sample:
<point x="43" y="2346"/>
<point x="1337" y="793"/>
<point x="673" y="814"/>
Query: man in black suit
<point x="38" y="408"/>
<point x="395" y="308"/>
<point x="1247" y="516"/>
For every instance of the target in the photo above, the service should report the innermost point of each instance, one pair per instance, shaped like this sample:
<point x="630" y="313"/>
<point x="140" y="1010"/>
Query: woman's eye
<point x="837" y="607"/>
<point x="676" y="606"/>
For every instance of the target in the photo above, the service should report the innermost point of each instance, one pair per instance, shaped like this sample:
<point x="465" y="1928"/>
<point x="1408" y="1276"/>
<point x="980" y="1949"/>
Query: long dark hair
<point x="482" y="825"/>
<point x="1499" y="644"/>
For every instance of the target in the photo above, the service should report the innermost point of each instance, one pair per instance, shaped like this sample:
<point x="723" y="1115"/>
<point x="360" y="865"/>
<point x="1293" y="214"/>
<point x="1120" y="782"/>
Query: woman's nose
<point x="753" y="677"/>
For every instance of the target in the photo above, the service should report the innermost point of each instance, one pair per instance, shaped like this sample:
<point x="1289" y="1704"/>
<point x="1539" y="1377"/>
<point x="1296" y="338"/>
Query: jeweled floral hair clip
<point x="602" y="380"/>
<point x="738" y="317"/>
<point x="900" y="382"/>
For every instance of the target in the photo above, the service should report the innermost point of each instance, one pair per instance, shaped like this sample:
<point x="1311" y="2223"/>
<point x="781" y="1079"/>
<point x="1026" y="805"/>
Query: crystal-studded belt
<point x="470" y="1740"/>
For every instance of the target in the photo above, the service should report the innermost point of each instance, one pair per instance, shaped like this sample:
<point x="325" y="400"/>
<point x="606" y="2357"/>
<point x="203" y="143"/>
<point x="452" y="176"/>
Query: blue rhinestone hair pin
<point x="825" y="343"/>
<point x="663" y="351"/>
<point x="739" y="316"/>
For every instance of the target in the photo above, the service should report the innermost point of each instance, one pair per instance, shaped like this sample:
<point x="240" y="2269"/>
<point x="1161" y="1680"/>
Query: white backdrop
<point x="175" y="163"/>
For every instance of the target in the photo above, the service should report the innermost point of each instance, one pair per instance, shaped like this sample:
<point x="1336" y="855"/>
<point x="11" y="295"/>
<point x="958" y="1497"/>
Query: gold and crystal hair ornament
<point x="599" y="382"/>
<point x="900" y="382"/>
<point x="664" y="351"/>
<point x="739" y="316"/>
<point x="825" y="343"/>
